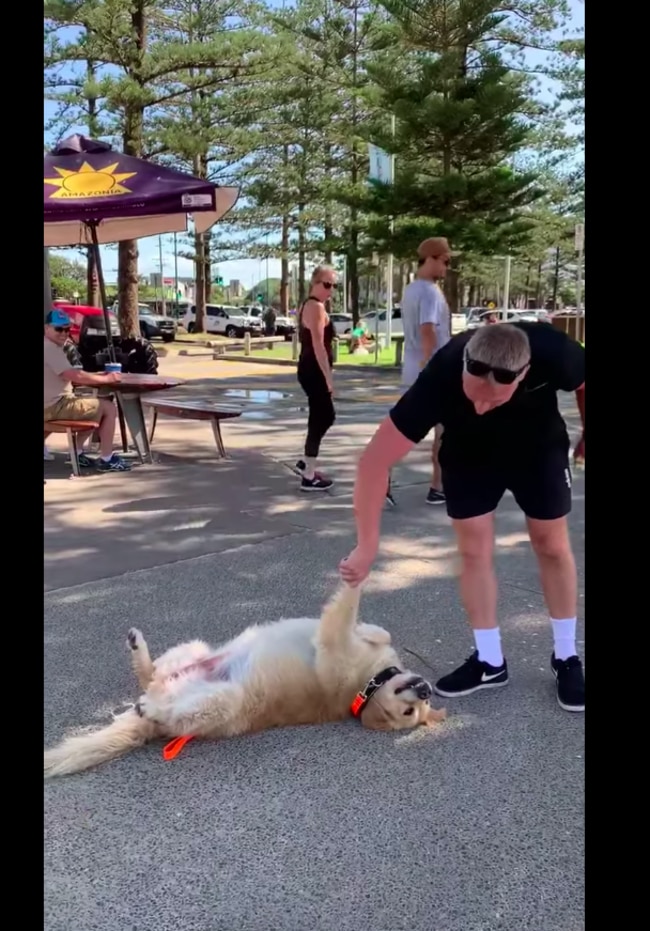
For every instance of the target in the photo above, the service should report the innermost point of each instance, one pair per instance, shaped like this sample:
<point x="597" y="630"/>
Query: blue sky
<point x="248" y="271"/>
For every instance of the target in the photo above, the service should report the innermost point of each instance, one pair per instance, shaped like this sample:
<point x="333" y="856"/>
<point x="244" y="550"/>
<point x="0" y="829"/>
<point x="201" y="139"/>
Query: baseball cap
<point x="434" y="248"/>
<point x="57" y="318"/>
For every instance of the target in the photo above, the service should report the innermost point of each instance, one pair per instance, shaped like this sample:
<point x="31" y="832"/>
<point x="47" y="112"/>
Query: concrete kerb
<point x="289" y="363"/>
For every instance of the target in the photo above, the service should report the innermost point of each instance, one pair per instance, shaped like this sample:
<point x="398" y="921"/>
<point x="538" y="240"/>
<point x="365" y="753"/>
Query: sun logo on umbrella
<point x="89" y="182"/>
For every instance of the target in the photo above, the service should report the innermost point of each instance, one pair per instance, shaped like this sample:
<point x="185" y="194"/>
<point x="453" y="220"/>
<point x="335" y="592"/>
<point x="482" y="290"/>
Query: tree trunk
<point x="133" y="139"/>
<point x="451" y="288"/>
<point x="199" y="261"/>
<point x="207" y="252"/>
<point x="301" y="255"/>
<point x="556" y="277"/>
<point x="199" y="276"/>
<point x="127" y="293"/>
<point x="93" y="298"/>
<point x="538" y="289"/>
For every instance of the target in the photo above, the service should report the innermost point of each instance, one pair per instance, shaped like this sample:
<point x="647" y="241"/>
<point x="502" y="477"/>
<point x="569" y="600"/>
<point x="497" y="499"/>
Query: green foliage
<point x="486" y="98"/>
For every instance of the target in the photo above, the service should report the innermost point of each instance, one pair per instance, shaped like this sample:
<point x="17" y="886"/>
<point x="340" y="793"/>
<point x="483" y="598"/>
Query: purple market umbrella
<point x="95" y="195"/>
<point x="86" y="184"/>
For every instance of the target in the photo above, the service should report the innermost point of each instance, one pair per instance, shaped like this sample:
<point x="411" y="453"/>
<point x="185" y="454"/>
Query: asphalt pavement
<point x="476" y="825"/>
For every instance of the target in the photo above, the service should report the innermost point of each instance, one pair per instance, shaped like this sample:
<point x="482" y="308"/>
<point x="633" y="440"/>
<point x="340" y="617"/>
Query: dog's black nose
<point x="424" y="691"/>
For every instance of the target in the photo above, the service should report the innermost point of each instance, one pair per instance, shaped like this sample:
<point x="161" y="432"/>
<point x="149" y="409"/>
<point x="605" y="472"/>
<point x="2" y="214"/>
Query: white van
<point x="225" y="320"/>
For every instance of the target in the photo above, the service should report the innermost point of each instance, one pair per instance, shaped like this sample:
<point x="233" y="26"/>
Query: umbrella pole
<point x="92" y="226"/>
<point x="107" y="323"/>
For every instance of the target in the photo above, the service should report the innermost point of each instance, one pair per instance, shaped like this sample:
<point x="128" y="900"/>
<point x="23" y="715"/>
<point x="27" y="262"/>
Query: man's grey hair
<point x="500" y="345"/>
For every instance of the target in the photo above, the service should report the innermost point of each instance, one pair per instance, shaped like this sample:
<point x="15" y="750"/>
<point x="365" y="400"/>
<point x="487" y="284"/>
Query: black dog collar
<point x="362" y="698"/>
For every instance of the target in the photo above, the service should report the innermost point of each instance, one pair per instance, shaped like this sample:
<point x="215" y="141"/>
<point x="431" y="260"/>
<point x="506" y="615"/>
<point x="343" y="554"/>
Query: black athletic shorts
<point x="541" y="486"/>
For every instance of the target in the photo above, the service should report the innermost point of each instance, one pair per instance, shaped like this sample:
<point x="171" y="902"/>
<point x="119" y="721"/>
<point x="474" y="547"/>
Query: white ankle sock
<point x="488" y="644"/>
<point x="564" y="637"/>
<point x="310" y="467"/>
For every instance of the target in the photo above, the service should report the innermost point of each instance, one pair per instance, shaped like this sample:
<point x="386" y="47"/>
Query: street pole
<point x="344" y="289"/>
<point x="175" y="272"/>
<point x="389" y="264"/>
<point x="162" y="282"/>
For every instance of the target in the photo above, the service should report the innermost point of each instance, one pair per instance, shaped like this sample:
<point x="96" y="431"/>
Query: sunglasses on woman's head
<point x="482" y="370"/>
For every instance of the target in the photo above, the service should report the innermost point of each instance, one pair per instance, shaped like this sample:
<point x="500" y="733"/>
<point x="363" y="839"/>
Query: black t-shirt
<point x="530" y="421"/>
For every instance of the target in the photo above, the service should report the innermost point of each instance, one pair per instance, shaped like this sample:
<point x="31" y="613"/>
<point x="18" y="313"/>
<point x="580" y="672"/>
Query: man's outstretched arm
<point x="408" y="423"/>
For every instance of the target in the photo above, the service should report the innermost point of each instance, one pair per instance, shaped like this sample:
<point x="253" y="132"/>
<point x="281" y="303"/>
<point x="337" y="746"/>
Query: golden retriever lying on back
<point x="297" y="671"/>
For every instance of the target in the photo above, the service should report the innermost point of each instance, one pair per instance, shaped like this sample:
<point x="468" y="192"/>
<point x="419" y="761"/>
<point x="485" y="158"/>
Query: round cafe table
<point x="128" y="394"/>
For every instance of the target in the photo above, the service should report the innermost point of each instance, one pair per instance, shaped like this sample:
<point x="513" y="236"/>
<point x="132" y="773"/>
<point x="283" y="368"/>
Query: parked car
<point x="375" y="321"/>
<point x="224" y="320"/>
<point x="87" y="344"/>
<point x="153" y="325"/>
<point x="91" y="318"/>
<point x="342" y="322"/>
<point x="476" y="315"/>
<point x="284" y="326"/>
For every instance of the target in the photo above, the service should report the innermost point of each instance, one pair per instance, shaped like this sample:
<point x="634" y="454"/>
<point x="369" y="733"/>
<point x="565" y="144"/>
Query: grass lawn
<point x="283" y="351"/>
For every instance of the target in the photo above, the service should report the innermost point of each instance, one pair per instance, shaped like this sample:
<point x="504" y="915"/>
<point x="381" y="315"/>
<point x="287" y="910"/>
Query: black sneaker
<point x="317" y="483"/>
<point x="569" y="682"/>
<point x="114" y="464"/>
<point x="472" y="676"/>
<point x="435" y="496"/>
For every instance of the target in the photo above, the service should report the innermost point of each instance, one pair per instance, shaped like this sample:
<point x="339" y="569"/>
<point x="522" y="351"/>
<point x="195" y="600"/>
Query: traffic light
<point x="219" y="280"/>
<point x="260" y="298"/>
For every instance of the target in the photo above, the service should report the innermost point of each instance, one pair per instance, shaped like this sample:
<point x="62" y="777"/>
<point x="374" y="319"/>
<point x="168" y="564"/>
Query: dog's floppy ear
<point x="375" y="717"/>
<point x="435" y="716"/>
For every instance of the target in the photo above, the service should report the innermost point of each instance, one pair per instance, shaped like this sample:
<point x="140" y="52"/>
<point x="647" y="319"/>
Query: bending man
<point x="495" y="393"/>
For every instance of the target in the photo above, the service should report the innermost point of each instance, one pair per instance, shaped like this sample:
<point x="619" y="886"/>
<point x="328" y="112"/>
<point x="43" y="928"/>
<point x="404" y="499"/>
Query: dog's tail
<point x="75" y="754"/>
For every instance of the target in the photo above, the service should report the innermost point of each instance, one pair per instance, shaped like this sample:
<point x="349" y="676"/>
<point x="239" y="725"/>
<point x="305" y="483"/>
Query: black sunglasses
<point x="61" y="329"/>
<point x="328" y="285"/>
<point x="482" y="370"/>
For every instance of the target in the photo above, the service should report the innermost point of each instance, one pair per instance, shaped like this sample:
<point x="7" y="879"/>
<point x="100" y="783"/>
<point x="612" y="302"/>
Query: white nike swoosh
<point x="486" y="678"/>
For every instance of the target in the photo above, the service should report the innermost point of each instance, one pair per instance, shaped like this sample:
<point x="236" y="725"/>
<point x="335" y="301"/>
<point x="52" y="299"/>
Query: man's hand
<point x="330" y="383"/>
<point x="356" y="567"/>
<point x="112" y="378"/>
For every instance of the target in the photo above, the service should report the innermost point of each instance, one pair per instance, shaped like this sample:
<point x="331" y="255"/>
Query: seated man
<point x="61" y="403"/>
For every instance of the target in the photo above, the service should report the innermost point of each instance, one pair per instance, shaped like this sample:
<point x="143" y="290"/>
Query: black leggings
<point x="321" y="408"/>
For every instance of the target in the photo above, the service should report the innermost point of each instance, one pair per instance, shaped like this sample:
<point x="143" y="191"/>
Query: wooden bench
<point x="71" y="428"/>
<point x="199" y="409"/>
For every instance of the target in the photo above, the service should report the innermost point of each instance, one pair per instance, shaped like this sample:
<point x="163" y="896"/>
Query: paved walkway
<point x="476" y="826"/>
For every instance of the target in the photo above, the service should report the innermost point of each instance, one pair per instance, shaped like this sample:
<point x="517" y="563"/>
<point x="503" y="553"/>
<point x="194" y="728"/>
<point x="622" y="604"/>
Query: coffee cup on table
<point x="112" y="367"/>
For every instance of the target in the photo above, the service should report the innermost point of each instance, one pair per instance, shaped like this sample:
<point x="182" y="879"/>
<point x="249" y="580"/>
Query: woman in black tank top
<point x="316" y="332"/>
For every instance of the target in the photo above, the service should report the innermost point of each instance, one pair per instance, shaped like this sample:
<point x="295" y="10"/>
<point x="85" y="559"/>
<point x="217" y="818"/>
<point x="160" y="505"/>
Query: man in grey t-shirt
<point x="427" y="328"/>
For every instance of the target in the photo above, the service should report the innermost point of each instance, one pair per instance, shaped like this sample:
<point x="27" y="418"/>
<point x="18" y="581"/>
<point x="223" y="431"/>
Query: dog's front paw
<point x="134" y="639"/>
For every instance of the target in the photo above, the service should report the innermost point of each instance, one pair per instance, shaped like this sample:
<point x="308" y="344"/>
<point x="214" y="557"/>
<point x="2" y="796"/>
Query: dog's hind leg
<point x="201" y="709"/>
<point x="339" y="617"/>
<point x="140" y="658"/>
